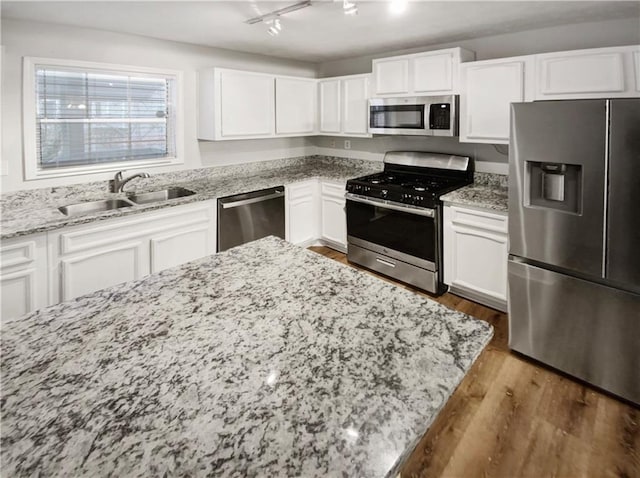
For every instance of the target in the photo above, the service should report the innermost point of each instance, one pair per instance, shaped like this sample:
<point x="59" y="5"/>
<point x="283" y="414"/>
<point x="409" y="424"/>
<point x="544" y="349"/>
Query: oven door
<point x="406" y="233"/>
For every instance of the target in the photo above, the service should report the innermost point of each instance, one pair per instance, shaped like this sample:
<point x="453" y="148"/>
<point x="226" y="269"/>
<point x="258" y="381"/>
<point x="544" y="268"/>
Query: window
<point x="84" y="117"/>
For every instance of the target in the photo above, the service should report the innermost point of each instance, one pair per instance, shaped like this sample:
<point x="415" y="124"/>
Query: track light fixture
<point x="271" y="16"/>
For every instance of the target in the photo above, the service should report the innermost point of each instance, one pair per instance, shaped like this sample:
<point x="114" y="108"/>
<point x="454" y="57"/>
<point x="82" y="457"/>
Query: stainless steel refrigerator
<point x="574" y="234"/>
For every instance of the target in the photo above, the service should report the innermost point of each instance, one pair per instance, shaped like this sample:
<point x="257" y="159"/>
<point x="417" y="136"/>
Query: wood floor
<point x="511" y="417"/>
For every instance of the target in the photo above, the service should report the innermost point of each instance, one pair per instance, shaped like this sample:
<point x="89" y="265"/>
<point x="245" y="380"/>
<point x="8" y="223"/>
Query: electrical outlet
<point x="332" y="143"/>
<point x="347" y="144"/>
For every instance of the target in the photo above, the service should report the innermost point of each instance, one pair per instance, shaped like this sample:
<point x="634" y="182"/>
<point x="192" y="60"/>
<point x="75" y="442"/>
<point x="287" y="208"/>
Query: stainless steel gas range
<point x="394" y="218"/>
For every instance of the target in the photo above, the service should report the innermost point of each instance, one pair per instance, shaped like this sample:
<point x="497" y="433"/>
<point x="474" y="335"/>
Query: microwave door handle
<point x="427" y="115"/>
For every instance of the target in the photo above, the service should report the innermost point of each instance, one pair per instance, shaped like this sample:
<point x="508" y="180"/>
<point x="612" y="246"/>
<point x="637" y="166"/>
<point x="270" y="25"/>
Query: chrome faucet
<point x="116" y="185"/>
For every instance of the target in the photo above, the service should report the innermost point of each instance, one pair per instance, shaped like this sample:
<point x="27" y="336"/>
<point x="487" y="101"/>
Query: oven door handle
<point x="423" y="211"/>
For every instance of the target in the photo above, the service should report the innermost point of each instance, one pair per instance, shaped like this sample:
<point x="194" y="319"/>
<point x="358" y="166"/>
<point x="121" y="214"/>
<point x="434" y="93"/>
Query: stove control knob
<point x="384" y="193"/>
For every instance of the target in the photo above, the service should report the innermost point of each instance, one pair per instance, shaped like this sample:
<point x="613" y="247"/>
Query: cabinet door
<point x="355" y="106"/>
<point x="333" y="216"/>
<point x="19" y="290"/>
<point x="296" y="101"/>
<point x="475" y="255"/>
<point x="23" y="275"/>
<point x="488" y="91"/>
<point x="180" y="246"/>
<point x="302" y="212"/>
<point x="433" y="74"/>
<point x="595" y="73"/>
<point x="330" y="106"/>
<point x="98" y="269"/>
<point x="246" y="103"/>
<point x="391" y="76"/>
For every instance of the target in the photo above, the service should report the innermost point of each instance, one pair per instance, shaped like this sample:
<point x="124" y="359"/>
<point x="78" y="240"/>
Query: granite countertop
<point x="488" y="191"/>
<point x="30" y="211"/>
<point x="265" y="360"/>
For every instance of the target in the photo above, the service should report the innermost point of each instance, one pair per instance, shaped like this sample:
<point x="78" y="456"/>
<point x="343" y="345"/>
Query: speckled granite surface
<point x="265" y="360"/>
<point x="31" y="211"/>
<point x="488" y="191"/>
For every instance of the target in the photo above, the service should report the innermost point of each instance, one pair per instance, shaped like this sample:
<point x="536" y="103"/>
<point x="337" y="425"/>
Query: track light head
<point x="349" y="8"/>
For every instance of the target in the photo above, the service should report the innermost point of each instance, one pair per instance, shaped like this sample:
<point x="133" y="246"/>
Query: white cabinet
<point x="487" y="90"/>
<point x="333" y="216"/>
<point x="315" y="214"/>
<point x="91" y="257"/>
<point x="593" y="73"/>
<point x="296" y="101"/>
<point x="23" y="275"/>
<point x="330" y="102"/>
<point x="235" y="104"/>
<point x="475" y="254"/>
<point x="427" y="73"/>
<point x="344" y="106"/>
<point x="302" y="212"/>
<point x="433" y="73"/>
<point x="391" y="76"/>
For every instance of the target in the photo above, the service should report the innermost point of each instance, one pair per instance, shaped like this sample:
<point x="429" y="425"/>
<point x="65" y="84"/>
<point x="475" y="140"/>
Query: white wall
<point x="21" y="38"/>
<point x="488" y="158"/>
<point x="567" y="37"/>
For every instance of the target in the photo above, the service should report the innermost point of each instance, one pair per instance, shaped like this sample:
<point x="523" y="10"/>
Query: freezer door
<point x="557" y="183"/>
<point x="585" y="329"/>
<point x="623" y="218"/>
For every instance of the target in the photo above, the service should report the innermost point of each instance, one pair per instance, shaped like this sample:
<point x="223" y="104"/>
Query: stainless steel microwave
<point x="418" y="115"/>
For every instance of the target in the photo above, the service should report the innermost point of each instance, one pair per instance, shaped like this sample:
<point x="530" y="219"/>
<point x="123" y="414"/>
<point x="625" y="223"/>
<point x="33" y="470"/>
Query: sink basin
<point x="156" y="196"/>
<point x="94" y="206"/>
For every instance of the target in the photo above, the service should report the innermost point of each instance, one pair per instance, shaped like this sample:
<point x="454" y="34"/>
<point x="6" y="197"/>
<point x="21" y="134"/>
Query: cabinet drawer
<point x="301" y="190"/>
<point x="333" y="189"/>
<point x="479" y="219"/>
<point x="17" y="254"/>
<point x="117" y="230"/>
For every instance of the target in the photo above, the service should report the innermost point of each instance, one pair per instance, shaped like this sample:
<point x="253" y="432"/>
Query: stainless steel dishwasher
<point x="250" y="216"/>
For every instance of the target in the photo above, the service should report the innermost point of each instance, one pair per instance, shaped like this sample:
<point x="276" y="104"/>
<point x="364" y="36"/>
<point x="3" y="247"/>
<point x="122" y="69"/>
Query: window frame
<point x="32" y="169"/>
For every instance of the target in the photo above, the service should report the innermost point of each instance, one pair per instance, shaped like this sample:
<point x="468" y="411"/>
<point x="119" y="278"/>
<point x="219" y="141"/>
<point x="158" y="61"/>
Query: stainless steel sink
<point x="156" y="196"/>
<point x="94" y="206"/>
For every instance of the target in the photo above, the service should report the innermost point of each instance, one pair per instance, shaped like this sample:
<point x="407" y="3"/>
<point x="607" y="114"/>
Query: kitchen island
<point x="265" y="360"/>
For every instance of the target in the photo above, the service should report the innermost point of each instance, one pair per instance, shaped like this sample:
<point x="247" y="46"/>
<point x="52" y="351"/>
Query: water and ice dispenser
<point x="555" y="186"/>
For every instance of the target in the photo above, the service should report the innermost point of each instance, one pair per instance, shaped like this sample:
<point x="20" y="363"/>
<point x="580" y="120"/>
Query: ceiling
<point x="320" y="32"/>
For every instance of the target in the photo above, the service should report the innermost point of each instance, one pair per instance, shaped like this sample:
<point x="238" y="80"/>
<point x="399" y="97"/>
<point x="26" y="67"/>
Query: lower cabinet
<point x="23" y="275"/>
<point x="301" y="214"/>
<point x="89" y="258"/>
<point x="475" y="254"/>
<point x="315" y="213"/>
<point x="333" y="216"/>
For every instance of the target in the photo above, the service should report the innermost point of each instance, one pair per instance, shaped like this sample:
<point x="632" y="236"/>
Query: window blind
<point x="95" y="117"/>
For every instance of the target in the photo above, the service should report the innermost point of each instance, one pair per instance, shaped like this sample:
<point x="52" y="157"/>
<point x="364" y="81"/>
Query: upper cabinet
<point x="343" y="105"/>
<point x="487" y="90"/>
<point x="593" y="73"/>
<point x="296" y="100"/>
<point x="236" y="104"/>
<point x="428" y="73"/>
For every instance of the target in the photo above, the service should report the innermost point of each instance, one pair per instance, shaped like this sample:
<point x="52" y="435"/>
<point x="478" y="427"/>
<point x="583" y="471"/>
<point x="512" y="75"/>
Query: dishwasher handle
<point x="244" y="202"/>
